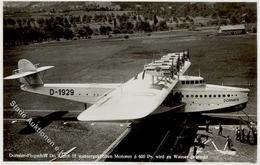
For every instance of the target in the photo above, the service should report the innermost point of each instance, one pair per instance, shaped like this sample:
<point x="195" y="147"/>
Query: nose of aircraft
<point x="245" y="92"/>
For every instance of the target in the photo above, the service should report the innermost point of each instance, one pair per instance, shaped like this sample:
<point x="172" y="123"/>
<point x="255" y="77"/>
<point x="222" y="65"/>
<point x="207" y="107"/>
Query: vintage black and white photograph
<point x="122" y="81"/>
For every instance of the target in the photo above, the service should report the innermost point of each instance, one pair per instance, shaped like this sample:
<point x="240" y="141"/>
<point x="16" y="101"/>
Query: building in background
<point x="232" y="29"/>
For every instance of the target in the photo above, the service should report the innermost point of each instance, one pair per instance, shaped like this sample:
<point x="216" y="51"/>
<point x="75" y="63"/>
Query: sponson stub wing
<point x="135" y="99"/>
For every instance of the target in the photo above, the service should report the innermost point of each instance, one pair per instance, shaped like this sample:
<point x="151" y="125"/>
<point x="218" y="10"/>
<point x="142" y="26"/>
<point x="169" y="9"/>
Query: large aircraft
<point x="161" y="87"/>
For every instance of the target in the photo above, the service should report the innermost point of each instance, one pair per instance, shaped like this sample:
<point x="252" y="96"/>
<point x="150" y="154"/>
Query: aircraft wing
<point x="135" y="99"/>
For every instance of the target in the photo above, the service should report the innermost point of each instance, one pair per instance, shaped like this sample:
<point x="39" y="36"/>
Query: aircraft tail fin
<point x="28" y="73"/>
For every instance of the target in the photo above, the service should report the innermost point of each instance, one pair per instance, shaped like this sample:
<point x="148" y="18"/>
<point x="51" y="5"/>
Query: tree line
<point x="19" y="31"/>
<point x="24" y="30"/>
<point x="236" y="12"/>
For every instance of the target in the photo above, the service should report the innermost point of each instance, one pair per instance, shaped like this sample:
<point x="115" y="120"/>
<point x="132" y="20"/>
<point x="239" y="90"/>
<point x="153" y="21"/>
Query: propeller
<point x="172" y="69"/>
<point x="188" y="53"/>
<point x="183" y="59"/>
<point x="143" y="74"/>
<point x="178" y="64"/>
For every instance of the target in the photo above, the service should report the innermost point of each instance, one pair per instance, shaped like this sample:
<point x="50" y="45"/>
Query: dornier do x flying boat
<point x="161" y="87"/>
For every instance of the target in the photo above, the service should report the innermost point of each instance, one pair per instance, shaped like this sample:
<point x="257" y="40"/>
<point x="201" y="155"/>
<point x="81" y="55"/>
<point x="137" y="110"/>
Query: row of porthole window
<point x="208" y="104"/>
<point x="95" y="94"/>
<point x="193" y="82"/>
<point x="210" y="96"/>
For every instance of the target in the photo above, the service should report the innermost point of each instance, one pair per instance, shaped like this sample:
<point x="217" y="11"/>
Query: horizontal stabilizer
<point x="27" y="73"/>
